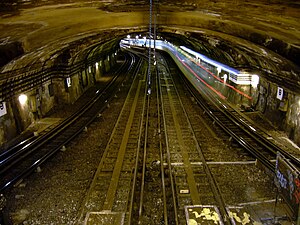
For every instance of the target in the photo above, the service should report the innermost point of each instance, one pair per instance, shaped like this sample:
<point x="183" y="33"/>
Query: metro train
<point x="234" y="75"/>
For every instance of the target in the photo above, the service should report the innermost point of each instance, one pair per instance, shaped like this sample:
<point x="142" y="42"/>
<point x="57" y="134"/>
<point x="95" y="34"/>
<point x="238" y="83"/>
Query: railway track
<point x="193" y="183"/>
<point x="149" y="184"/>
<point x="156" y="158"/>
<point x="250" y="138"/>
<point x="19" y="161"/>
<point x="246" y="134"/>
<point x="107" y="197"/>
<point x="130" y="177"/>
<point x="157" y="167"/>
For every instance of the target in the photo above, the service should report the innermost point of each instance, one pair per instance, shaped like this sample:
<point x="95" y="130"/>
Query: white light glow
<point x="23" y="99"/>
<point x="210" y="61"/>
<point x="252" y="128"/>
<point x="254" y="80"/>
<point x="225" y="78"/>
<point x="128" y="36"/>
<point x="69" y="82"/>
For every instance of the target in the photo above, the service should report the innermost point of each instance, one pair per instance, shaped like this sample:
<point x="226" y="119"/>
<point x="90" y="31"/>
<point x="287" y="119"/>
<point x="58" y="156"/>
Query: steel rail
<point x="16" y="156"/>
<point x="135" y="174"/>
<point x="229" y="131"/>
<point x="172" y="182"/>
<point x="216" y="190"/>
<point x="159" y="127"/>
<point x="165" y="212"/>
<point x="58" y="133"/>
<point x="258" y="134"/>
<point x="146" y="107"/>
<point x="207" y="101"/>
<point x="119" y="153"/>
<point x="22" y="144"/>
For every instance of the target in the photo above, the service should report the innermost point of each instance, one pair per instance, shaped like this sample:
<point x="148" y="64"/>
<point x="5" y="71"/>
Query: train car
<point x="234" y="75"/>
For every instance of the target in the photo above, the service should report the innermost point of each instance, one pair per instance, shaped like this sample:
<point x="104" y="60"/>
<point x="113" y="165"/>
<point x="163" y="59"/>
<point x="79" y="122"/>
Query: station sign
<point x="3" y="110"/>
<point x="287" y="180"/>
<point x="69" y="82"/>
<point x="279" y="93"/>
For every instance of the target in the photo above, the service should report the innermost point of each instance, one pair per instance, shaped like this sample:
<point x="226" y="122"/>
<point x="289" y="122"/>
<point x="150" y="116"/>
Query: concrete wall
<point x="20" y="116"/>
<point x="45" y="99"/>
<point x="283" y="114"/>
<point x="7" y="123"/>
<point x="292" y="121"/>
<point x="107" y="63"/>
<point x="99" y="68"/>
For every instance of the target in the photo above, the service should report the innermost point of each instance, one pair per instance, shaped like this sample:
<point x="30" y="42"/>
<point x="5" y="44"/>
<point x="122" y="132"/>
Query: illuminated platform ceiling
<point x="258" y="35"/>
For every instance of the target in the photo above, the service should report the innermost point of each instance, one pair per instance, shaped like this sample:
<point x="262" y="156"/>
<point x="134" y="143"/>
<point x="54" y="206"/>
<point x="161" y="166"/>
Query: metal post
<point x="155" y="14"/>
<point x="149" y="66"/>
<point x="298" y="216"/>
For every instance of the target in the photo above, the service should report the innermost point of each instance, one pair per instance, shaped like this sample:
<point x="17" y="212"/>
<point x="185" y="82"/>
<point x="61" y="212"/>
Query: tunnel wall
<point x="67" y="91"/>
<point x="276" y="42"/>
<point x="10" y="51"/>
<point x="283" y="114"/>
<point x="46" y="99"/>
<point x="20" y="116"/>
<point x="8" y="125"/>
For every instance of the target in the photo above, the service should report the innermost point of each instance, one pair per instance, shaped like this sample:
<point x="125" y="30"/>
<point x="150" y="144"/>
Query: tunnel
<point x="52" y="52"/>
<point x="260" y="37"/>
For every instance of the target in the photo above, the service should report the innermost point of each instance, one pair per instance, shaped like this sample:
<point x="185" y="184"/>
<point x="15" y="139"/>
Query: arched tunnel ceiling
<point x="259" y="35"/>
